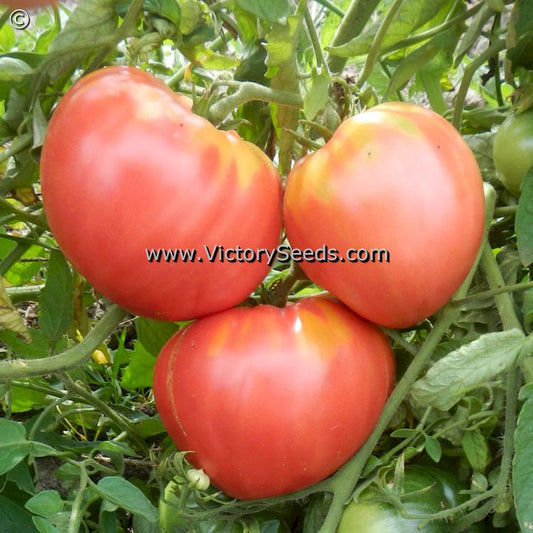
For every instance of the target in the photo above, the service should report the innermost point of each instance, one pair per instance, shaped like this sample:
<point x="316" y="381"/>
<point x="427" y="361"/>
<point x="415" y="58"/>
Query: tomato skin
<point x="127" y="167"/>
<point x="513" y="150"/>
<point x="373" y="515"/>
<point x="272" y="400"/>
<point x="397" y="177"/>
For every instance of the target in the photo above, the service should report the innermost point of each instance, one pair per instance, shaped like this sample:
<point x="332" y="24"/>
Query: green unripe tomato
<point x="433" y="490"/>
<point x="513" y="150"/>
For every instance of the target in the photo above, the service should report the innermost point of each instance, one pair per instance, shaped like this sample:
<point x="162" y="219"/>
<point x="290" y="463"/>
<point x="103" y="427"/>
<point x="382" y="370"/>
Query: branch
<point x="25" y="368"/>
<point x="247" y="92"/>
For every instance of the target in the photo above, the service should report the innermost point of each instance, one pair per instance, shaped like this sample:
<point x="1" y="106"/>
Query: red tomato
<point x="272" y="400"/>
<point x="397" y="178"/>
<point x="127" y="167"/>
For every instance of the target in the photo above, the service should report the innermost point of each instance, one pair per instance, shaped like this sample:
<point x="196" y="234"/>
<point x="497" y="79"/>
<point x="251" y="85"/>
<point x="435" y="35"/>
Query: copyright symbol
<point x="19" y="19"/>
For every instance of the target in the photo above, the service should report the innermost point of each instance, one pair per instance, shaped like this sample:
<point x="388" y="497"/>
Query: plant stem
<point x="332" y="7"/>
<point x="247" y="92"/>
<point x="76" y="515"/>
<point x="320" y="60"/>
<point x="355" y="19"/>
<point x="17" y="146"/>
<point x="27" y="293"/>
<point x="504" y="303"/>
<point x="122" y="422"/>
<point x="36" y="220"/>
<point x="493" y="292"/>
<point x="25" y="368"/>
<point x="468" y="74"/>
<point x="424" y="36"/>
<point x="280" y="294"/>
<point x="373" y="53"/>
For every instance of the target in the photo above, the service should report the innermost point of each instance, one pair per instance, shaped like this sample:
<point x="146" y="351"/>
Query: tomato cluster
<point x="268" y="400"/>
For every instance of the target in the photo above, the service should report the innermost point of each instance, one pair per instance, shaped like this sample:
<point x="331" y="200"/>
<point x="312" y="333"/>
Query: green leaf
<point x="21" y="476"/>
<point x="46" y="503"/>
<point x="121" y="492"/>
<point x="476" y="449"/>
<point x="12" y="72"/>
<point x="169" y="9"/>
<point x="13" y="444"/>
<point x="10" y="318"/>
<point x="153" y="334"/>
<point x="40" y="125"/>
<point x="38" y="347"/>
<point x="44" y="526"/>
<point x="317" y="97"/>
<point x="520" y="35"/>
<point x="139" y="373"/>
<point x="433" y="448"/>
<point x="14" y="518"/>
<point x="462" y="370"/>
<point x="524" y="220"/>
<point x="91" y="21"/>
<point x="413" y="15"/>
<point x="523" y="465"/>
<point x="7" y="38"/>
<point x="435" y="50"/>
<point x="270" y="10"/>
<point x="56" y="301"/>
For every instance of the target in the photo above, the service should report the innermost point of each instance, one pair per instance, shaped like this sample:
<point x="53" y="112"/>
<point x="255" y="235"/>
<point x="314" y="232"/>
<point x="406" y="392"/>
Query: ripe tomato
<point x="271" y="400"/>
<point x="127" y="167"/>
<point x="397" y="178"/>
<point x="513" y="150"/>
<point x="425" y="490"/>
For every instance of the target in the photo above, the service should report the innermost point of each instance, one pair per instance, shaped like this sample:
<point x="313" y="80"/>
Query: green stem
<point x="29" y="293"/>
<point x="280" y="294"/>
<point x="18" y="145"/>
<point x="332" y="7"/>
<point x="424" y="36"/>
<point x="16" y="253"/>
<point x="468" y="74"/>
<point x="319" y="54"/>
<point x="24" y="368"/>
<point x="76" y="515"/>
<point x="22" y="215"/>
<point x="373" y="53"/>
<point x="123" y="423"/>
<point x="504" y="303"/>
<point x="517" y="287"/>
<point x="247" y="92"/>
<point x="355" y="19"/>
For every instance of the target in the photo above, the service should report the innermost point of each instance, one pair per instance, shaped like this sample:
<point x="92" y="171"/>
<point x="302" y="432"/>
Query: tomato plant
<point x="423" y="491"/>
<point x="127" y="168"/>
<point x="270" y="400"/>
<point x="513" y="150"/>
<point x="396" y="178"/>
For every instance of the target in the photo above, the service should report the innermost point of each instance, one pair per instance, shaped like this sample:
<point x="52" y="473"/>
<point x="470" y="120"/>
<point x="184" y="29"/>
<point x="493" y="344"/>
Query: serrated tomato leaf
<point x="451" y="377"/>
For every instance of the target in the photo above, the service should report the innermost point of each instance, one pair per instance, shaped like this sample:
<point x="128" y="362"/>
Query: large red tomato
<point x="400" y="180"/>
<point x="271" y="400"/>
<point x="126" y="168"/>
